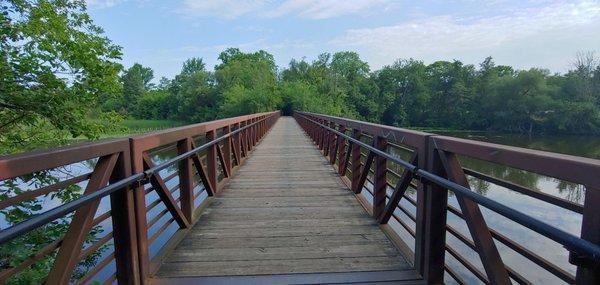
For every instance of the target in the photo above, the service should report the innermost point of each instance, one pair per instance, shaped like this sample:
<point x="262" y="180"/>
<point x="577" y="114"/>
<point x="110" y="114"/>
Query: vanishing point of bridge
<point x="309" y="199"/>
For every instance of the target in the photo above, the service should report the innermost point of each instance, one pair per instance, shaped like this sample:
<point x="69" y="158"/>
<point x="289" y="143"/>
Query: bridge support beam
<point x="380" y="185"/>
<point x="436" y="201"/>
<point x="186" y="176"/>
<point x="356" y="134"/>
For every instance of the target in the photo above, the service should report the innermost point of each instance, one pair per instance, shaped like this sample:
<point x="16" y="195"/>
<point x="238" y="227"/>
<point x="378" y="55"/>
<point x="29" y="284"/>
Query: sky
<point x="162" y="34"/>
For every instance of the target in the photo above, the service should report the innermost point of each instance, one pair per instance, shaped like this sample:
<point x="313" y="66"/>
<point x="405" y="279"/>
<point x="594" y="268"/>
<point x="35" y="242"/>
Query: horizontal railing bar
<point x="454" y="275"/>
<point x="157" y="217"/>
<point x="404" y="225"/>
<point x="8" y="272"/>
<point x="38" y="220"/>
<point x="95" y="246"/>
<point x="110" y="279"/>
<point x="157" y="201"/>
<point x="563" y="203"/>
<point x="161" y="230"/>
<point x="88" y="275"/>
<point x="468" y="265"/>
<point x="396" y="145"/>
<point x="571" y="242"/>
<point x="31" y="194"/>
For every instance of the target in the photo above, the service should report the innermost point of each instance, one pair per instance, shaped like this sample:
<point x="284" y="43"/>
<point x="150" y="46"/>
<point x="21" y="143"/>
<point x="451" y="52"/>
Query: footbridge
<point x="302" y="199"/>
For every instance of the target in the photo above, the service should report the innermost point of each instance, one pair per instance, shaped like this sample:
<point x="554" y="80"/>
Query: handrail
<point x="571" y="242"/>
<point x="40" y="219"/>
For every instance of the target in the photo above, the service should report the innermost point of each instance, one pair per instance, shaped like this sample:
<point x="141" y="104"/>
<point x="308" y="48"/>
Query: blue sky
<point x="528" y="33"/>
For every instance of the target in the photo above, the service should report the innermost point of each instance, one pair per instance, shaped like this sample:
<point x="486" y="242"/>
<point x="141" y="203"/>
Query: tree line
<point x="407" y="93"/>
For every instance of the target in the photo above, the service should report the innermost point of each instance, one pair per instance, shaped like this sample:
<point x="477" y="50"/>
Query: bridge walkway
<point x="285" y="217"/>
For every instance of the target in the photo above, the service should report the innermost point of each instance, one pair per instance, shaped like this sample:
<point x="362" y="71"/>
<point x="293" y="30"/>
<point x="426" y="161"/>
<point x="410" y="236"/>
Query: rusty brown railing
<point x="139" y="222"/>
<point x="412" y="208"/>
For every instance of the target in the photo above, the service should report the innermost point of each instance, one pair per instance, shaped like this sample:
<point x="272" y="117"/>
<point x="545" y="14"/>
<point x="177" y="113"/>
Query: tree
<point x="136" y="81"/>
<point x="246" y="82"/>
<point x="404" y="91"/>
<point x="54" y="65"/>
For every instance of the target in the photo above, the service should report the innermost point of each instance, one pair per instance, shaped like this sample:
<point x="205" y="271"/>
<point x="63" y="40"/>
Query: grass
<point x="138" y="126"/>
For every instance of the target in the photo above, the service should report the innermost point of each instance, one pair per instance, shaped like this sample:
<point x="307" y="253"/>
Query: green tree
<point x="403" y="87"/>
<point x="136" y="80"/>
<point x="246" y="82"/>
<point x="54" y="65"/>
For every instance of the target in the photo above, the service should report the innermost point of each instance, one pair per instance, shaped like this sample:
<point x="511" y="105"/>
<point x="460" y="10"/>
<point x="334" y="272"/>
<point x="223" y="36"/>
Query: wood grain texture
<point x="285" y="211"/>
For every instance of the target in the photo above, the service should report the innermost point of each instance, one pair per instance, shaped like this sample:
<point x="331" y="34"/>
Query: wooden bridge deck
<point x="286" y="214"/>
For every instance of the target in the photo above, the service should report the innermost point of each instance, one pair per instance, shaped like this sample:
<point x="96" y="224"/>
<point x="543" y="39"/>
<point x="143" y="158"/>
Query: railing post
<point x="141" y="225"/>
<point x="211" y="158"/>
<point x="248" y="135"/>
<point x="186" y="177"/>
<point x="356" y="134"/>
<point x="420" y="235"/>
<point x="589" y="273"/>
<point x="321" y="135"/>
<point x="237" y="145"/>
<point x="326" y="139"/>
<point x="341" y="151"/>
<point x="436" y="201"/>
<point x="254" y="132"/>
<point x="244" y="138"/>
<point x="311" y="128"/>
<point x="123" y="224"/>
<point x="227" y="148"/>
<point x="332" y="144"/>
<point x="380" y="185"/>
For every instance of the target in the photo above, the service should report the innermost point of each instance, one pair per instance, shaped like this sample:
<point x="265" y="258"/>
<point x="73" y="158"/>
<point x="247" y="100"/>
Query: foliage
<point x="54" y="64"/>
<point x="409" y="93"/>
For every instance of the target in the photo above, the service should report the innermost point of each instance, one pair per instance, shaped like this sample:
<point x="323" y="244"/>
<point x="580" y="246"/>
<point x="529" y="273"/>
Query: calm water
<point x="553" y="215"/>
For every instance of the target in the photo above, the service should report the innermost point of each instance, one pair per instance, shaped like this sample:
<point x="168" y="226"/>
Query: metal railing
<point x="432" y="168"/>
<point x="123" y="170"/>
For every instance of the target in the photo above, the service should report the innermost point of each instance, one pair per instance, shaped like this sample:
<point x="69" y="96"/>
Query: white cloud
<point x="527" y="37"/>
<point x="312" y="9"/>
<point x="103" y="3"/>
<point x="324" y="9"/>
<point x="228" y="9"/>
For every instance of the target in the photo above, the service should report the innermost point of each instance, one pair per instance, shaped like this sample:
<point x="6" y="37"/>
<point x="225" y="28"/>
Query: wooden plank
<point x="281" y="253"/>
<point x="308" y="265"/>
<point x="267" y="242"/>
<point x="396" y="277"/>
